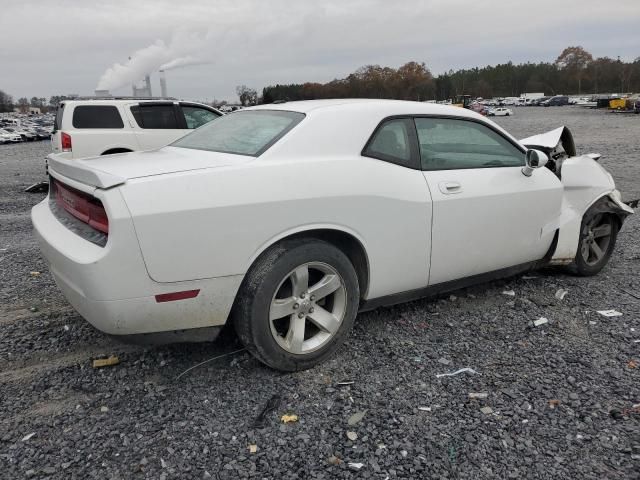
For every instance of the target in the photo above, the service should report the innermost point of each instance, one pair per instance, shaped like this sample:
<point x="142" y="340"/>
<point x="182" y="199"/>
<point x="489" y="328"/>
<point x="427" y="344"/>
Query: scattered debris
<point x="289" y="418"/>
<point x="529" y="277"/>
<point x="457" y="372"/>
<point x="253" y="448"/>
<point x="104" y="409"/>
<point x="424" y="409"/>
<point x="345" y="383"/>
<point x="478" y="395"/>
<point x="355" y="466"/>
<point x="356" y="418"/>
<point x="353" y="436"/>
<point x="444" y="361"/>
<point x="634" y="295"/>
<point x="104" y="362"/>
<point x="163" y="464"/>
<point x="210" y="360"/>
<point x="609" y="313"/>
<point x="554" y="403"/>
<point x="632" y="364"/>
<point x="487" y="410"/>
<point x="272" y="404"/>
<point x="28" y="437"/>
<point x="561" y="293"/>
<point x="333" y="460"/>
<point x="540" y="321"/>
<point x="592" y="322"/>
<point x="34" y="274"/>
<point x="453" y="298"/>
<point x="509" y="293"/>
<point x="33" y="309"/>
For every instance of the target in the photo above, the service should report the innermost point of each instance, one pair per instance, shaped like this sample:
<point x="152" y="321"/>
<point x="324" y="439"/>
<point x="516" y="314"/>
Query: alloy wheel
<point x="596" y="239"/>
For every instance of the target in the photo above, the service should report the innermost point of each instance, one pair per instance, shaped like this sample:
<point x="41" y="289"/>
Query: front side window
<point x="96" y="116"/>
<point x="249" y="132"/>
<point x="158" y="117"/>
<point x="197" y="116"/>
<point x="391" y="142"/>
<point x="450" y="144"/>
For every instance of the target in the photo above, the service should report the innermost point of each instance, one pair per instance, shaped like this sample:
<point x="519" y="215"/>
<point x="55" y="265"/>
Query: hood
<point x="549" y="141"/>
<point x="110" y="170"/>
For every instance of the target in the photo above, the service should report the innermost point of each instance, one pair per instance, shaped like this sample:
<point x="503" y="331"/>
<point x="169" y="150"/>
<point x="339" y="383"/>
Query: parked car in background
<point x="255" y="219"/>
<point x="500" y="112"/>
<point x="92" y="127"/>
<point x="556" y="101"/>
<point x="9" y="137"/>
<point x="26" y="135"/>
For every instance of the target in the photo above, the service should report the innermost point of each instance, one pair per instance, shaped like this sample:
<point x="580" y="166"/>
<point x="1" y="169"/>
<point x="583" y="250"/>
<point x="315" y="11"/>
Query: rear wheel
<point x="598" y="235"/>
<point x="297" y="304"/>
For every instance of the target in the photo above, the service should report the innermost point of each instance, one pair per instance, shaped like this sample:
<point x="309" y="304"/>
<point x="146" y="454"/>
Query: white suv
<point x="92" y="127"/>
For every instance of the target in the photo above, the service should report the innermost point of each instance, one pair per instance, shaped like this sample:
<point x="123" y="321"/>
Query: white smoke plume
<point x="183" y="49"/>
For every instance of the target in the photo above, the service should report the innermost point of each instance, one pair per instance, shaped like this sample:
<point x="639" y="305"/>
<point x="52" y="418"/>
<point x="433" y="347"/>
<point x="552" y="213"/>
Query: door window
<point x="197" y="116"/>
<point x="449" y="144"/>
<point x="391" y="142"/>
<point x="155" y="116"/>
<point x="96" y="116"/>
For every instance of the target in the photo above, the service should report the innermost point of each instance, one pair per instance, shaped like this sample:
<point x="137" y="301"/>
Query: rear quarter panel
<point x="213" y="223"/>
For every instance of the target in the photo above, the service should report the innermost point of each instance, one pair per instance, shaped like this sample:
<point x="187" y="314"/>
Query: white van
<point x="93" y="127"/>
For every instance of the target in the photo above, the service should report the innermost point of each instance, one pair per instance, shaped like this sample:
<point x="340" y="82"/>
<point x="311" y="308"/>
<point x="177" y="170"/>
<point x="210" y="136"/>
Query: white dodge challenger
<point x="288" y="219"/>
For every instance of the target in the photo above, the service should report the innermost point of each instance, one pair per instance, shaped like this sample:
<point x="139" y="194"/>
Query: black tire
<point x="592" y="218"/>
<point x="250" y="315"/>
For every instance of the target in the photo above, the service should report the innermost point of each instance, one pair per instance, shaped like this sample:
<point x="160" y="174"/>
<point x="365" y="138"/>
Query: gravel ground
<point x="559" y="397"/>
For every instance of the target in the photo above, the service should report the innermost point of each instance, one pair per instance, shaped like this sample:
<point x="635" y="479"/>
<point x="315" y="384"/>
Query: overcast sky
<point x="66" y="46"/>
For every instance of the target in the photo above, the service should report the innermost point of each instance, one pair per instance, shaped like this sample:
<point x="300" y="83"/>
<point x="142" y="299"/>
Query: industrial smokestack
<point x="163" y="84"/>
<point x="147" y="81"/>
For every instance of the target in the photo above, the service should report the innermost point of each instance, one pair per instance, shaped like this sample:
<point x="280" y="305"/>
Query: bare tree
<point x="247" y="96"/>
<point x="575" y="60"/>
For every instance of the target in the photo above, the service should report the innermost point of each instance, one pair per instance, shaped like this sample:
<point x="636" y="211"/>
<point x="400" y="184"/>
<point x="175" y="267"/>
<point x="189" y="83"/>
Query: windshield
<point x="249" y="132"/>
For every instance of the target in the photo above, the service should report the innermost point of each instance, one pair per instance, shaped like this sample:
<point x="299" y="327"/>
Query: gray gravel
<point x="559" y="397"/>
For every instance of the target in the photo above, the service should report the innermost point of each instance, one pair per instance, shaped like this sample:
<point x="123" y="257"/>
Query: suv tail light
<point x="66" y="141"/>
<point x="80" y="212"/>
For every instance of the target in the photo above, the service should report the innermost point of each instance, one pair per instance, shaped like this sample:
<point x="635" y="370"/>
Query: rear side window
<point x="155" y="116"/>
<point x="96" y="116"/>
<point x="391" y="142"/>
<point x="197" y="116"/>
<point x="243" y="133"/>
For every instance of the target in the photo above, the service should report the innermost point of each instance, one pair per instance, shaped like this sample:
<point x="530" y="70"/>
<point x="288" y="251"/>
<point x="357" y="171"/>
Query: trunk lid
<point x="110" y="170"/>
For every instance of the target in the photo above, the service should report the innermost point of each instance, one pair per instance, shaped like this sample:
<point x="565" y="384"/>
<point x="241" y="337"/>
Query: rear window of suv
<point x="97" y="116"/>
<point x="243" y="133"/>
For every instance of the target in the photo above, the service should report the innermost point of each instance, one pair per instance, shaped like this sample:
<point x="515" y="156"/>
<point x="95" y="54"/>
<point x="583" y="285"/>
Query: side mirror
<point x="532" y="160"/>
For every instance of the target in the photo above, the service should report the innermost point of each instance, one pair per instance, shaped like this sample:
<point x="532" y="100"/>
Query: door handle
<point x="450" y="187"/>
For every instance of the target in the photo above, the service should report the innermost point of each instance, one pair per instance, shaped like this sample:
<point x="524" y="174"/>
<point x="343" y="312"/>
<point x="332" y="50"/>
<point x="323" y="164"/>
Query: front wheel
<point x="297" y="304"/>
<point x="598" y="234"/>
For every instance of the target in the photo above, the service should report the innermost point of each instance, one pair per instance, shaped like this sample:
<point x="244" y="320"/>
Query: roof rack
<point x="118" y="98"/>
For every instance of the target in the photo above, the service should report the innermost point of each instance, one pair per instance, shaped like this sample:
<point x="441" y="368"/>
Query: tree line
<point x="575" y="71"/>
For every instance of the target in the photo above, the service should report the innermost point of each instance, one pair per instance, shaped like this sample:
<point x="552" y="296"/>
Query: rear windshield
<point x="244" y="133"/>
<point x="97" y="116"/>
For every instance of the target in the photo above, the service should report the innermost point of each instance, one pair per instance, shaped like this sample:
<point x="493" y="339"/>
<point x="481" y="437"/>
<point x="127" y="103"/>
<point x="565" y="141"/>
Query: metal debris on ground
<point x="106" y="362"/>
<point x="561" y="293"/>
<point x="210" y="360"/>
<point x="540" y="321"/>
<point x="356" y="418"/>
<point x="457" y="372"/>
<point x="345" y="383"/>
<point x="289" y="418"/>
<point x="609" y="313"/>
<point x="272" y="404"/>
<point x="478" y="395"/>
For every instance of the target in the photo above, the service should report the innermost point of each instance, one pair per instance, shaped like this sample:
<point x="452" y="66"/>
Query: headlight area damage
<point x="587" y="187"/>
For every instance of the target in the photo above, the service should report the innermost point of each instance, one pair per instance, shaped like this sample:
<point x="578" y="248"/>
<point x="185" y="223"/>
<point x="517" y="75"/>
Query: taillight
<point x="83" y="207"/>
<point x="66" y="141"/>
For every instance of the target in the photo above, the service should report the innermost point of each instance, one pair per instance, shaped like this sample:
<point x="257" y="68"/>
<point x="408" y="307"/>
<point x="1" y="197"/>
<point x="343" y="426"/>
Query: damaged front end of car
<point x="587" y="186"/>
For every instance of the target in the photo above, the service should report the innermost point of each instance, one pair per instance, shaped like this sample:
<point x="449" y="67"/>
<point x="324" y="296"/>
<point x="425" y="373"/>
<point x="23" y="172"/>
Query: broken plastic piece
<point x="253" y="448"/>
<point x="289" y="418"/>
<point x="106" y="362"/>
<point x="457" y="372"/>
<point x="540" y="321"/>
<point x="424" y="409"/>
<point x="353" y="436"/>
<point x="509" y="293"/>
<point x="561" y="293"/>
<point x="609" y="313"/>
<point x="27" y="437"/>
<point x="355" y="466"/>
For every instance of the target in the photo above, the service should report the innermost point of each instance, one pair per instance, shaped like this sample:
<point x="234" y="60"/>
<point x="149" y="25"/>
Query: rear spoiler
<point x="81" y="173"/>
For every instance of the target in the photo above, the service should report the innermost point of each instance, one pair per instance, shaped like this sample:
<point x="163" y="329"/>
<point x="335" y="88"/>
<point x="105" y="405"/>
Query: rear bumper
<point x="110" y="287"/>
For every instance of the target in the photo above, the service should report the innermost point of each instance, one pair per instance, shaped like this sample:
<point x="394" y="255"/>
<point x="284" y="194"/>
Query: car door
<point x="487" y="215"/>
<point x="157" y="123"/>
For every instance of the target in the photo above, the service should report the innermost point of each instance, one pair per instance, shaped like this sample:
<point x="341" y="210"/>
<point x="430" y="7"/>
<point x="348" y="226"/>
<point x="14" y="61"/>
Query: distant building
<point x="28" y="109"/>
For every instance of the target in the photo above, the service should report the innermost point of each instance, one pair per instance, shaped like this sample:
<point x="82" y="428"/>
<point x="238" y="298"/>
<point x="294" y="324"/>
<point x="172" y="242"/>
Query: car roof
<point x="369" y="105"/>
